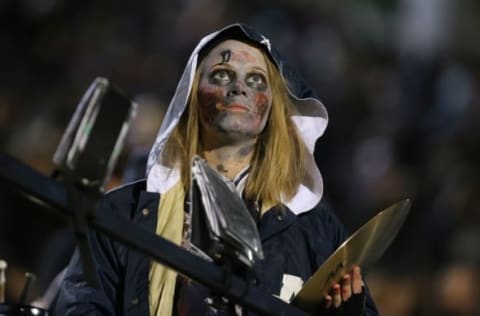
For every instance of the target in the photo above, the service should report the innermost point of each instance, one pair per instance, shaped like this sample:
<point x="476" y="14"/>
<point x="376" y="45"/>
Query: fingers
<point x="328" y="301"/>
<point x="346" y="287"/>
<point x="357" y="282"/>
<point x="351" y="283"/>
<point x="334" y="298"/>
<point x="337" y="296"/>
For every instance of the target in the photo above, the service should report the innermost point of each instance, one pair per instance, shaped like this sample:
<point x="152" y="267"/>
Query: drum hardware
<point x="21" y="309"/>
<point x="3" y="279"/>
<point x="54" y="194"/>
<point x="29" y="279"/>
<point x="87" y="154"/>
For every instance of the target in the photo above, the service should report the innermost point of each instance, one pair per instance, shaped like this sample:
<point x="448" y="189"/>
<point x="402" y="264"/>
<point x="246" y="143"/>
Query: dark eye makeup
<point x="224" y="76"/>
<point x="257" y="81"/>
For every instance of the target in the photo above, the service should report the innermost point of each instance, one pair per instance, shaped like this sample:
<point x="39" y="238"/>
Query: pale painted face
<point x="234" y="93"/>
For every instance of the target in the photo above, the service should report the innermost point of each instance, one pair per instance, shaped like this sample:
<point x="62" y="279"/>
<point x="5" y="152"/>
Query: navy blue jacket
<point x="292" y="244"/>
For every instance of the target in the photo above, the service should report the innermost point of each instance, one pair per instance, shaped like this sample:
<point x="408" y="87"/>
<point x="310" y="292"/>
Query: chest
<point x="292" y="255"/>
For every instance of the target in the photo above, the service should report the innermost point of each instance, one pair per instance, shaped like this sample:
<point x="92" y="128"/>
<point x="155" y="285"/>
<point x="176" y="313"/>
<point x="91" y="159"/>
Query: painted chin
<point x="246" y="125"/>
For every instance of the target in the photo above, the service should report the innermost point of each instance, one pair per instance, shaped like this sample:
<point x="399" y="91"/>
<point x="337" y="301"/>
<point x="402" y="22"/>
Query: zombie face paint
<point x="226" y="55"/>
<point x="234" y="93"/>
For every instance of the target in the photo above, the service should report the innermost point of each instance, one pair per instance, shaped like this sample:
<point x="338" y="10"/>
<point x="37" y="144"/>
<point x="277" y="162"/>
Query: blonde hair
<point x="278" y="163"/>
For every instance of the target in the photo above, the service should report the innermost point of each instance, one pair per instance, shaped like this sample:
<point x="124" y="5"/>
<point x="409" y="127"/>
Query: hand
<point x="351" y="283"/>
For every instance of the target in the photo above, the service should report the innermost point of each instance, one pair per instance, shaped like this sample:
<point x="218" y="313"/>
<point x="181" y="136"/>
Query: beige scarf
<point x="170" y="226"/>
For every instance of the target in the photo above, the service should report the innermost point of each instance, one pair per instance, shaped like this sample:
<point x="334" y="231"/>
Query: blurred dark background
<point x="400" y="79"/>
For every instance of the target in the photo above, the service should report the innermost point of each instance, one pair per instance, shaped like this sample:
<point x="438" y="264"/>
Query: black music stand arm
<point x="82" y="203"/>
<point x="55" y="194"/>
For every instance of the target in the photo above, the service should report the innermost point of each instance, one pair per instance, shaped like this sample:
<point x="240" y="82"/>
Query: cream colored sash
<point x="170" y="226"/>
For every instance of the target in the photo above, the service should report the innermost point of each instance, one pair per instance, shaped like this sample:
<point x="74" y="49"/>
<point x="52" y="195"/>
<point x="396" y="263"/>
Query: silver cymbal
<point x="362" y="248"/>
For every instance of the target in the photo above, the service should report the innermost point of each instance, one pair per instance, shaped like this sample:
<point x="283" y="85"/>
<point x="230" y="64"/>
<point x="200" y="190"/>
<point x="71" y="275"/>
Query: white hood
<point x="310" y="121"/>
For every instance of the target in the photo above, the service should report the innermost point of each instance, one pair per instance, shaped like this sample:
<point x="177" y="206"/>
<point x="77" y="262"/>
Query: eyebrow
<point x="260" y="69"/>
<point x="229" y="66"/>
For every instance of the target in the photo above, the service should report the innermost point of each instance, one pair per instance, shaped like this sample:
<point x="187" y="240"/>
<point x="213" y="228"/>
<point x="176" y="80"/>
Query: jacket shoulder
<point x="322" y="220"/>
<point x="123" y="199"/>
<point x="321" y="214"/>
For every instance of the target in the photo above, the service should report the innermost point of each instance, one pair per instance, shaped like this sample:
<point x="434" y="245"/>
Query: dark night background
<point x="400" y="79"/>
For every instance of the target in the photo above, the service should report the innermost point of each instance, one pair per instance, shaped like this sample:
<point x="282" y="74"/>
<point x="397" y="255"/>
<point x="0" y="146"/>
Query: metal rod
<point x="3" y="280"/>
<point x="29" y="278"/>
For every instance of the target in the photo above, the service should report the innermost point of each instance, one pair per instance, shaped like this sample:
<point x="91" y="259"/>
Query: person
<point x="240" y="107"/>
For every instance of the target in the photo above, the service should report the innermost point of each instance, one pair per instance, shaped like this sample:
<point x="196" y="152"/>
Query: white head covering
<point x="310" y="121"/>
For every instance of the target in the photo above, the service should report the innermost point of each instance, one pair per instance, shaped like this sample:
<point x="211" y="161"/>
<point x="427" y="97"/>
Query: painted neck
<point x="229" y="160"/>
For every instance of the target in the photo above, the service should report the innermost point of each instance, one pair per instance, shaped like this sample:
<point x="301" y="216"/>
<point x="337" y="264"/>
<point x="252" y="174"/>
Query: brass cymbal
<point x="362" y="248"/>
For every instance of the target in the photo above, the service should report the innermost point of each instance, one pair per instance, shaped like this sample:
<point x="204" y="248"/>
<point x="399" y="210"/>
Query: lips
<point x="236" y="107"/>
<point x="233" y="107"/>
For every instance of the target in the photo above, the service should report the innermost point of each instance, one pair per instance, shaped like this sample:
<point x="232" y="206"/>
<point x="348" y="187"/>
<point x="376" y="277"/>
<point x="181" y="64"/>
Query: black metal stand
<point x="58" y="196"/>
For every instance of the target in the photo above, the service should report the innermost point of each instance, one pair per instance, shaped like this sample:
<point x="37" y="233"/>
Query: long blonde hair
<point x="278" y="163"/>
